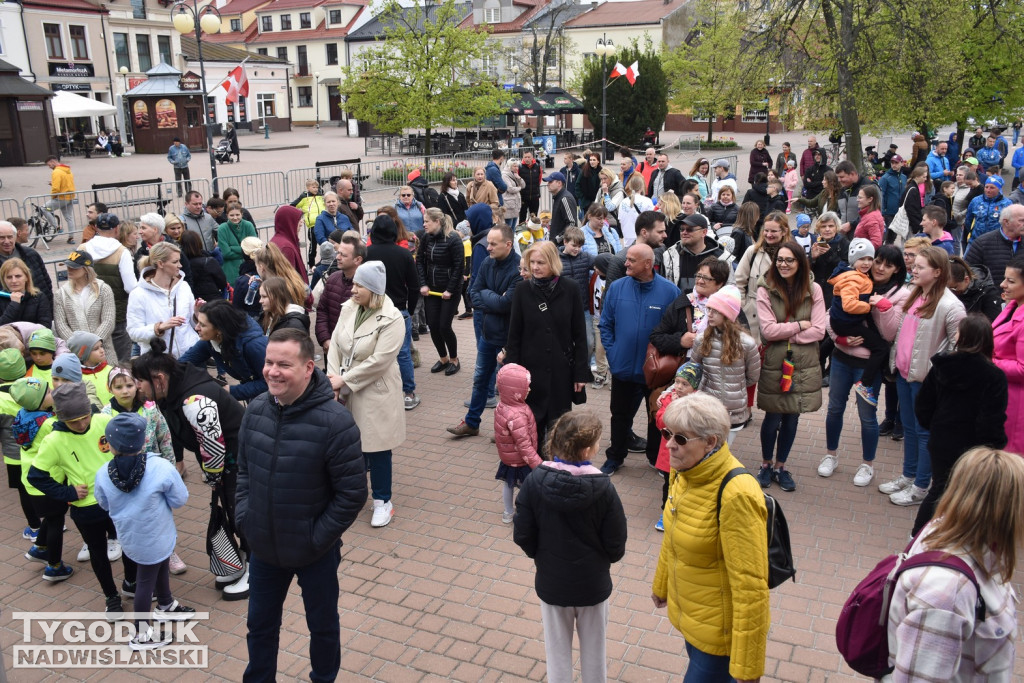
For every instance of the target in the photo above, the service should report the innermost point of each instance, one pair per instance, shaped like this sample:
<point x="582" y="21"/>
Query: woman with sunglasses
<point x="410" y="210"/>
<point x="792" y="317"/>
<point x="716" y="592"/>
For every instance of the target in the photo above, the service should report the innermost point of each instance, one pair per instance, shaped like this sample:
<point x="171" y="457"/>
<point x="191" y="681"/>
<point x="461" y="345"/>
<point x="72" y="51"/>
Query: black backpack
<point x="431" y="199"/>
<point x="780" y="555"/>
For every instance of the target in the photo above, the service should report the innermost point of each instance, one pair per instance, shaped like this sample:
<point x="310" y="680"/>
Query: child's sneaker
<point x="866" y="393"/>
<point x="173" y="612"/>
<point x="115" y="610"/>
<point x="30" y="534"/>
<point x="507" y="517"/>
<point x="146" y="640"/>
<point x="660" y="524"/>
<point x="83" y="554"/>
<point x="36" y="554"/>
<point x="175" y="565"/>
<point x="113" y="549"/>
<point x="60" y="573"/>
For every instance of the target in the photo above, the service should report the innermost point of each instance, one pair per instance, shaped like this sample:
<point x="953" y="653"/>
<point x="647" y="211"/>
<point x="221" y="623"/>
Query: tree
<point x="421" y="75"/>
<point x="630" y="109"/>
<point x="543" y="48"/>
<point x="711" y="71"/>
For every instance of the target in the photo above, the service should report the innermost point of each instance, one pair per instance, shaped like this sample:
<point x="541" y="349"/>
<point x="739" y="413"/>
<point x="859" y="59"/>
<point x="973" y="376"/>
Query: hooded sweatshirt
<point x="403" y="282"/>
<point x="286" y="237"/>
<point x="515" y="429"/>
<point x="481" y="222"/>
<point x="102" y="246"/>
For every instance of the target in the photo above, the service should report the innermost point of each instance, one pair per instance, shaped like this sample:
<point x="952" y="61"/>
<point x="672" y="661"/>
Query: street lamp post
<point x="316" y="77"/>
<point x="515" y="81"/>
<point x="604" y="48"/>
<point x="188" y="17"/>
<point x="125" y="111"/>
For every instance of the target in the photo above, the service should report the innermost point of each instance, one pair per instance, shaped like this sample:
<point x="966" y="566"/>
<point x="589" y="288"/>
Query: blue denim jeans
<point x="478" y="331"/>
<point x="378" y="464"/>
<point x="841" y="380"/>
<point x="405" y="358"/>
<point x="705" y="668"/>
<point x="917" y="463"/>
<point x="588" y="318"/>
<point x="268" y="588"/>
<point x="778" y="428"/>
<point x="483" y="380"/>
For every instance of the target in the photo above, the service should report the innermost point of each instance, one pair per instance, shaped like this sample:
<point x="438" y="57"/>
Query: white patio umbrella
<point x="70" y="105"/>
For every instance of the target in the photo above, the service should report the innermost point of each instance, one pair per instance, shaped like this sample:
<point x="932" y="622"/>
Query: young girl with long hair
<point x="278" y="310"/>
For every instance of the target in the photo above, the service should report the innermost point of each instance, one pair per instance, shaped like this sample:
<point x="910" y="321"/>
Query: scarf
<point x="126" y="471"/>
<point x="772" y="250"/>
<point x="26" y="425"/>
<point x="546" y="286"/>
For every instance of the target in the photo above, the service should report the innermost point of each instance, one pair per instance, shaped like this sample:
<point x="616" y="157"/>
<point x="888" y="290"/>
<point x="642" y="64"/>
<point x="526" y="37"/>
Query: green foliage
<point x="422" y="75"/>
<point x="398" y="174"/>
<point x="630" y="109"/>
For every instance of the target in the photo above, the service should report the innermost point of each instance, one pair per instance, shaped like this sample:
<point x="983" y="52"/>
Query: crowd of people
<point x="191" y="333"/>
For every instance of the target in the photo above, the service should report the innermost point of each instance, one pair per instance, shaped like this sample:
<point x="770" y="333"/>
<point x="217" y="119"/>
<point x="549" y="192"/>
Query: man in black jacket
<point x="530" y="171"/>
<point x="995" y="248"/>
<point x="403" y="288"/>
<point x="301" y="483"/>
<point x="665" y="178"/>
<point x="564" y="210"/>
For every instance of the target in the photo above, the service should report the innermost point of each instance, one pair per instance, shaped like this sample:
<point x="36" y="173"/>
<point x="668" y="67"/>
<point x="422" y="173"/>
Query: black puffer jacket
<point x="440" y="261"/>
<point x="208" y="281"/>
<point x="574" y="528"/>
<point x="31" y="309"/>
<point x="301" y="478"/>
<point x="982" y="295"/>
<point x="189" y="381"/>
<point x="721" y="213"/>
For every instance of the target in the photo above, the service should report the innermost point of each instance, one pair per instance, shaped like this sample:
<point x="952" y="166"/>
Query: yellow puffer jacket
<point x="62" y="183"/>
<point x="716" y="579"/>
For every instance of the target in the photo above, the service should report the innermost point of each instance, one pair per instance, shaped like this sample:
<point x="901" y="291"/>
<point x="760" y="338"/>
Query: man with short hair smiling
<point x="650" y="230"/>
<point x="196" y="219"/>
<point x="694" y="245"/>
<point x="301" y="484"/>
<point x="351" y="252"/>
<point x="9" y="248"/>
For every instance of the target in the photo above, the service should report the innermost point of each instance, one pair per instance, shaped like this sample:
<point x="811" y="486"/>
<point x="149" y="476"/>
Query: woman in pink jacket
<point x="515" y="434"/>
<point x="1008" y="335"/>
<point x="871" y="225"/>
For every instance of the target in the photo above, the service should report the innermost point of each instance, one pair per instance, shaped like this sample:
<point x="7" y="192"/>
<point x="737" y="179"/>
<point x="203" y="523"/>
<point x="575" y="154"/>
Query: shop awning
<point x="558" y="101"/>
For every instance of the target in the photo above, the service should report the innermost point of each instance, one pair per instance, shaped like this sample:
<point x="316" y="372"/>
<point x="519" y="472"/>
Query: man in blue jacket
<point x="891" y="184"/>
<point x="989" y="154"/>
<point x="493" y="172"/>
<point x="938" y="165"/>
<point x="632" y="307"/>
<point x="983" y="212"/>
<point x="179" y="156"/>
<point x="491" y="291"/>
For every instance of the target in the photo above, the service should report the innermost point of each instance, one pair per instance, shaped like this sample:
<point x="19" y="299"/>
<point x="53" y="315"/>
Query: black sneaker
<point x="825" y="380"/>
<point x="764" y="476"/>
<point x="784" y="479"/>
<point x="128" y="588"/>
<point x="885" y="429"/>
<point x="174" y="612"/>
<point x="610" y="467"/>
<point x="636" y="444"/>
<point x="115" y="610"/>
<point x="897" y="432"/>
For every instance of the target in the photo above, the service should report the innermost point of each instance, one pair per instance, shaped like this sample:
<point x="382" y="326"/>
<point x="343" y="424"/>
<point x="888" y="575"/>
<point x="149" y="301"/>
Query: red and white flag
<point x="617" y="70"/>
<point x="236" y="84"/>
<point x="632" y="72"/>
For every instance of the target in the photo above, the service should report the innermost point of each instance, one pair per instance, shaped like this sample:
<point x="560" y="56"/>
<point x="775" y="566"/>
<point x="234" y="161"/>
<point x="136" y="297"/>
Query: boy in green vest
<point x="93" y="357"/>
<point x="12" y="367"/>
<point x="65" y="469"/>
<point x="42" y="346"/>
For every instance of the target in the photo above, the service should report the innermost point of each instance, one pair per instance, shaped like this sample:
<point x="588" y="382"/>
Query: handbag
<point x="225" y="557"/>
<point x="901" y="222"/>
<point x="659" y="369"/>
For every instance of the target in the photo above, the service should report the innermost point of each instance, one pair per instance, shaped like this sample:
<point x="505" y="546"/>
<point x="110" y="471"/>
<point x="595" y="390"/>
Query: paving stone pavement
<point x="443" y="593"/>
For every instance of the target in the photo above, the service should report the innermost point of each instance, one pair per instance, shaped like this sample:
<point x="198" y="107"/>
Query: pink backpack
<point x="862" y="632"/>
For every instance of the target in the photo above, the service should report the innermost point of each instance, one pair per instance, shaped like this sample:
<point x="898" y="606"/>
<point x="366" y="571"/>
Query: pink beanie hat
<point x="727" y="301"/>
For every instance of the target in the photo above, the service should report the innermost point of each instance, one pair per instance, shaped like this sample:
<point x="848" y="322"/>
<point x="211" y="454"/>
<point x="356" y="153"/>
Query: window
<point x="286" y="22"/>
<point x="552" y="61"/>
<point x="335" y="16"/>
<point x="492" y="15"/>
<point x="303" y="62"/>
<point x="488" y="66"/>
<point x="261" y="51"/>
<point x="304" y="21"/>
<point x="54" y="46"/>
<point x="702" y="116"/>
<point x="267" y="23"/>
<point x="163" y="48"/>
<point x="304" y="96"/>
<point x="332" y="54"/>
<point x="282" y="53"/>
<point x="265" y="104"/>
<point x="138" y="9"/>
<point x="124" y="57"/>
<point x="145" y="54"/>
<point x="236" y="25"/>
<point x="757" y="114"/>
<point x="79" y="43"/>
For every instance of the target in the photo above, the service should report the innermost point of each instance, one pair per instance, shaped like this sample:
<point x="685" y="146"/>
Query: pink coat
<point x="1008" y="333"/>
<point x="791" y="180"/>
<point x="871" y="227"/>
<point x="663" y="464"/>
<point x="515" y="429"/>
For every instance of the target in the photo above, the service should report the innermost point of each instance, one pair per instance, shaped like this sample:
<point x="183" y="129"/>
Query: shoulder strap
<point x="729" y="476"/>
<point x="940" y="558"/>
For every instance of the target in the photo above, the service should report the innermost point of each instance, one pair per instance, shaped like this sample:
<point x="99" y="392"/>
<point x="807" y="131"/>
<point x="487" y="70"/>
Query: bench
<point x="157" y="198"/>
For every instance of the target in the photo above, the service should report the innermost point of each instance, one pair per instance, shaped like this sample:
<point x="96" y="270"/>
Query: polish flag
<point x="236" y="84"/>
<point x="617" y="71"/>
<point x="632" y="72"/>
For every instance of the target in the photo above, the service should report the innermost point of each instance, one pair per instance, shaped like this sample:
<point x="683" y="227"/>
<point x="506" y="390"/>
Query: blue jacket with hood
<point x="493" y="174"/>
<point x="245" y="364"/>
<point x="481" y="221"/>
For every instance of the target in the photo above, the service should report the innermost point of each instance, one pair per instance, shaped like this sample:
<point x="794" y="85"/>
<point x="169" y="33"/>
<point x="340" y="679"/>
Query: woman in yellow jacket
<point x="713" y="568"/>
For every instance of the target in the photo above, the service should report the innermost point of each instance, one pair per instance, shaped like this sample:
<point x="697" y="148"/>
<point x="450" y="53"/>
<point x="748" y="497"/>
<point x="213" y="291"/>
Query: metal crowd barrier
<point x="257" y="190"/>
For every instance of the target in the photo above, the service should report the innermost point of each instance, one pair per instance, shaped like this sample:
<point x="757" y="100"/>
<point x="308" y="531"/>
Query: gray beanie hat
<point x="372" y="276"/>
<point x="67" y="366"/>
<point x="860" y="248"/>
<point x="81" y="344"/>
<point x="71" y="402"/>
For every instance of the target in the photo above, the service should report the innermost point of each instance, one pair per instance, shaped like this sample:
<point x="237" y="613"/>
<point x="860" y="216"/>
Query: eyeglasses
<point x="690" y="228"/>
<point x="703" y="278"/>
<point x="678" y="438"/>
<point x="783" y="261"/>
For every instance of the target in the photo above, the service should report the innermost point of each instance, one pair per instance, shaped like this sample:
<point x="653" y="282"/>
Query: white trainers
<point x="865" y="473"/>
<point x="912" y="495"/>
<point x="896" y="485"/>
<point x="83" y="554"/>
<point x="507" y="517"/>
<point x="828" y="466"/>
<point x="382" y="513"/>
<point x="113" y="549"/>
<point x="146" y="639"/>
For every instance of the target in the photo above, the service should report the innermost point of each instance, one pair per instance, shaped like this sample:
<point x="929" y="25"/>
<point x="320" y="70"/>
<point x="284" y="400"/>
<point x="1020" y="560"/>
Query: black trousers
<point x="51" y="528"/>
<point x="440" y="313"/>
<point x="529" y="206"/>
<point x="94" y="528"/>
<point x="183" y="174"/>
<point x="152" y="578"/>
<point x="626" y="399"/>
<point x="14" y="482"/>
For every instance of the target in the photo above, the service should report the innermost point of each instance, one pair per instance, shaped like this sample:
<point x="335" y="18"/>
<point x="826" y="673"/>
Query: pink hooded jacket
<point x="515" y="430"/>
<point x="286" y="237"/>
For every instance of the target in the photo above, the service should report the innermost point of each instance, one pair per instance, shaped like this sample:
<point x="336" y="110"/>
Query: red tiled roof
<point x="279" y="5"/>
<point x="303" y="34"/>
<point x="64" y="6"/>
<point x="228" y="37"/>
<point x="626" y="13"/>
<point x="241" y="6"/>
<point x="514" y="26"/>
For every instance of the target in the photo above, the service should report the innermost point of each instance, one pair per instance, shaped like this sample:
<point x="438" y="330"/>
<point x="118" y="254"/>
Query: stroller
<point x="222" y="152"/>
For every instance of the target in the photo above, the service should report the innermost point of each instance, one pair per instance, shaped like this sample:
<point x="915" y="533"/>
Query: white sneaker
<point x="865" y="473"/>
<point x="828" y="466"/>
<point x="912" y="495"/>
<point x="239" y="590"/>
<point x="83" y="554"/>
<point x="176" y="566"/>
<point x="113" y="549"/>
<point x="507" y="517"/>
<point x="896" y="485"/>
<point x="223" y="581"/>
<point x="146" y="640"/>
<point x="382" y="513"/>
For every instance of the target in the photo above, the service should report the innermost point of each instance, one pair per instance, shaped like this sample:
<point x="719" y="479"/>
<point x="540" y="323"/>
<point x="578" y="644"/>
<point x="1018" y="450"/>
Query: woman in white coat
<point x="84" y="303"/>
<point x="162" y="305"/>
<point x="362" y="367"/>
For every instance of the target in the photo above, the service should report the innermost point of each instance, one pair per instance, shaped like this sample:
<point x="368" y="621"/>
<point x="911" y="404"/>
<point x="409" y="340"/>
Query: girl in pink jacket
<point x="791" y="179"/>
<point x="515" y="433"/>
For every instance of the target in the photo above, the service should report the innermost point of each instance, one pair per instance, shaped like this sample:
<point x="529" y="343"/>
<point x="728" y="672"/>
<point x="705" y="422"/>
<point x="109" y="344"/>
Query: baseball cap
<point x="697" y="221"/>
<point x="896" y="159"/>
<point x="721" y="163"/>
<point x="973" y="161"/>
<point x="78" y="259"/>
<point x="555" y="176"/>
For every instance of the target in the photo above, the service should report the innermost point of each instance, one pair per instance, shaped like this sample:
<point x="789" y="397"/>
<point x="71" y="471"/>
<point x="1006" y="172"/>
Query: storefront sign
<point x="135" y="82"/>
<point x="30" y="106"/>
<point x="71" y="87"/>
<point x="70" y="70"/>
<point x="190" y="81"/>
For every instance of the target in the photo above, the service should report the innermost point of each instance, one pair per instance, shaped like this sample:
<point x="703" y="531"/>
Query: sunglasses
<point x="690" y="228"/>
<point x="678" y="438"/>
<point x="406" y="195"/>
